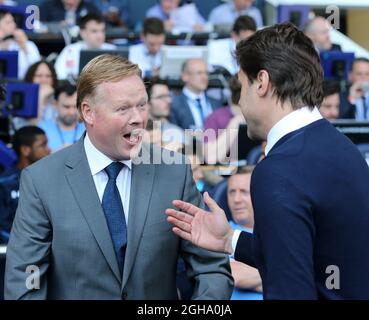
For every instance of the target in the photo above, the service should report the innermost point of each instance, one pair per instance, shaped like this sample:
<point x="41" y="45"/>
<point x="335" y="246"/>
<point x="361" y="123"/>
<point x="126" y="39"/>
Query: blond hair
<point x="103" y="68"/>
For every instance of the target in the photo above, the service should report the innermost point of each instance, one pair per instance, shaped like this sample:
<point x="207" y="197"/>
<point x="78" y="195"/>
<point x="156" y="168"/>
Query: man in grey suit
<point x="90" y="222"/>
<point x="191" y="108"/>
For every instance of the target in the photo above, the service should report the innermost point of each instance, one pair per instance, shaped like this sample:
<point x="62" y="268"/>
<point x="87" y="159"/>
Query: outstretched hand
<point x="209" y="230"/>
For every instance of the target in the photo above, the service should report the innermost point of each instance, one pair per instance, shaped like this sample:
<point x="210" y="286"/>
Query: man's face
<point x="196" y="76"/>
<point x="169" y="5"/>
<point x="160" y="101"/>
<point x="93" y="34"/>
<point x="118" y="109"/>
<point x="239" y="199"/>
<point x="251" y="109"/>
<point x="71" y="4"/>
<point x="242" y="4"/>
<point x="330" y="107"/>
<point x="67" y="109"/>
<point x="360" y="72"/>
<point x="39" y="149"/>
<point x="153" y="42"/>
<point x="7" y="25"/>
<point x="321" y="34"/>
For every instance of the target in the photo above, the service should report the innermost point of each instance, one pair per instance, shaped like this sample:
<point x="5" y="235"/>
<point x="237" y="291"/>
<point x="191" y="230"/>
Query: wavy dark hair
<point x="33" y="68"/>
<point x="291" y="61"/>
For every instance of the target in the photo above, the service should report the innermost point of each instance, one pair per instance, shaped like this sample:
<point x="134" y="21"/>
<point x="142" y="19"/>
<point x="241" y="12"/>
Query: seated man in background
<point x="92" y="32"/>
<point x="163" y="9"/>
<point x="356" y="105"/>
<point x="65" y="129"/>
<point x="14" y="39"/>
<point x="318" y="30"/>
<point x="68" y="12"/>
<point x="160" y="101"/>
<point x="148" y="53"/>
<point x="330" y="107"/>
<point x="221" y="50"/>
<point x="30" y="145"/>
<point x="227" y="13"/>
<point x="247" y="279"/>
<point x="115" y="12"/>
<point x="192" y="106"/>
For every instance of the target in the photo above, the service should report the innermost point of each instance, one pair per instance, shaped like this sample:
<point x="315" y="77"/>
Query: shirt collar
<point x="193" y="96"/>
<point x="97" y="160"/>
<point x="291" y="122"/>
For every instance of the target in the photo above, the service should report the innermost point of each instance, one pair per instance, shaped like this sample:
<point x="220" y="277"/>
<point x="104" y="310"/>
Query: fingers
<point x="187" y="207"/>
<point x="182" y="234"/>
<point x="184" y="226"/>
<point x="211" y="203"/>
<point x="178" y="215"/>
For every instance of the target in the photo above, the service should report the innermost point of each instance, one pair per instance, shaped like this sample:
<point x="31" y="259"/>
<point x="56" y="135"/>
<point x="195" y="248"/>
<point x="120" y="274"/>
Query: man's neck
<point x="194" y="91"/>
<point x="22" y="163"/>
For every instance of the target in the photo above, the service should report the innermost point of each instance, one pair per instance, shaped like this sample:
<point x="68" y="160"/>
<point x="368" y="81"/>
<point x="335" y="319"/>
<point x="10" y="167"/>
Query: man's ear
<point x="87" y="112"/>
<point x="25" y="151"/>
<point x="262" y="82"/>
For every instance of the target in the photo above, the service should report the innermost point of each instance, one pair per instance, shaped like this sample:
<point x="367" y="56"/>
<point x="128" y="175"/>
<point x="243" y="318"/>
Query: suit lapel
<point x="81" y="182"/>
<point x="187" y="113"/>
<point x="141" y="189"/>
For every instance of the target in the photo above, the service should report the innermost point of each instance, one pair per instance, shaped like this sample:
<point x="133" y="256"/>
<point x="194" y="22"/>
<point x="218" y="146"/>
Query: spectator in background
<point x="68" y="12"/>
<point x="219" y="144"/>
<point x="160" y="101"/>
<point x="43" y="73"/>
<point x="92" y="32"/>
<point x="15" y="39"/>
<point x="148" y="53"/>
<point x="30" y="145"/>
<point x="115" y="12"/>
<point x="318" y="30"/>
<point x="221" y="51"/>
<point x="8" y="3"/>
<point x="330" y="107"/>
<point x="227" y="13"/>
<point x="163" y="9"/>
<point x="247" y="279"/>
<point x="192" y="106"/>
<point x="65" y="129"/>
<point x="356" y="105"/>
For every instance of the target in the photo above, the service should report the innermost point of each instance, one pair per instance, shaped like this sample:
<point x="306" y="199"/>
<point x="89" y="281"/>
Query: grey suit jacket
<point x="60" y="227"/>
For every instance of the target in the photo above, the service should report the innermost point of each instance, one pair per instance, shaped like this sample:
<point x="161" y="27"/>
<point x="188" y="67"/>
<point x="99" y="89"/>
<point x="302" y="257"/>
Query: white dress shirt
<point x="205" y="106"/>
<point x="67" y="63"/>
<point x="140" y="55"/>
<point x="360" y="108"/>
<point x="97" y="162"/>
<point x="291" y="122"/>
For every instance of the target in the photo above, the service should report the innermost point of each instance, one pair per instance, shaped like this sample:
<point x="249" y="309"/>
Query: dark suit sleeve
<point x="29" y="246"/>
<point x="284" y="233"/>
<point x="244" y="252"/>
<point x="209" y="271"/>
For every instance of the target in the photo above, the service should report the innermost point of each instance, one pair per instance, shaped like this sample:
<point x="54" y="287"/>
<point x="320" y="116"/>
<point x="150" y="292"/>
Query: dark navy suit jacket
<point x="311" y="202"/>
<point x="181" y="114"/>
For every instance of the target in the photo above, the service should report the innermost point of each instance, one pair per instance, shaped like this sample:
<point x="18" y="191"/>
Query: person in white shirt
<point x="221" y="50"/>
<point x="92" y="32"/>
<point x="227" y="13"/>
<point x="148" y="53"/>
<point x="15" y="39"/>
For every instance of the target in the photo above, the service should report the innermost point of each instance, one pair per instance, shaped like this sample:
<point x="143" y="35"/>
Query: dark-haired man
<point x="30" y="145"/>
<point x="92" y="32"/>
<point x="65" y="129"/>
<point x="148" y="53"/>
<point x="221" y="50"/>
<point x="310" y="193"/>
<point x="330" y="107"/>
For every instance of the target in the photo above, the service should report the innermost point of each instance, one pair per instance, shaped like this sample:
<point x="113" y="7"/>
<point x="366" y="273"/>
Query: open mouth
<point x="134" y="137"/>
